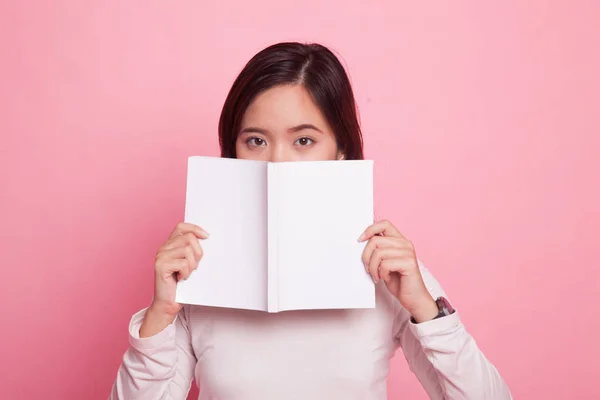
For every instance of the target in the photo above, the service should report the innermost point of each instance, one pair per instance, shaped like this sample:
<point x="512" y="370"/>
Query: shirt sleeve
<point x="157" y="367"/>
<point x="444" y="356"/>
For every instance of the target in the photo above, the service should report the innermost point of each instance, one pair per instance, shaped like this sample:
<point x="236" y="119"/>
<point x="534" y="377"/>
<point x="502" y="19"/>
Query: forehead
<point x="282" y="106"/>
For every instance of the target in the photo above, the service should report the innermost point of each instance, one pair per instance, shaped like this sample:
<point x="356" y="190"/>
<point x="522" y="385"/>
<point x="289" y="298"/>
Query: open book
<point x="283" y="236"/>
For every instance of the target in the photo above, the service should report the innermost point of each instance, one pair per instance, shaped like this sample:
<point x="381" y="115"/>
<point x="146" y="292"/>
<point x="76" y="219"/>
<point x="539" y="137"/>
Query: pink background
<point x="483" y="120"/>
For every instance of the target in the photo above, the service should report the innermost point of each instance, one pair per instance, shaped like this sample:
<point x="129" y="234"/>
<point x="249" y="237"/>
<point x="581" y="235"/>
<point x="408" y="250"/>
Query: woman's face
<point x="284" y="124"/>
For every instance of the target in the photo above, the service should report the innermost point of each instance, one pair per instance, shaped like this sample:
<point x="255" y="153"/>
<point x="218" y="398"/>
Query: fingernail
<point x="360" y="238"/>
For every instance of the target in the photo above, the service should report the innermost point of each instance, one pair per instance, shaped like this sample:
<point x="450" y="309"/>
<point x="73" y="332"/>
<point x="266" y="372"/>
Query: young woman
<point x="294" y="102"/>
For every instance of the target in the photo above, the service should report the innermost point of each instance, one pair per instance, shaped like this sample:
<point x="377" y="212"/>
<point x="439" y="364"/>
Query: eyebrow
<point x="252" y="129"/>
<point x="298" y="128"/>
<point x="303" y="127"/>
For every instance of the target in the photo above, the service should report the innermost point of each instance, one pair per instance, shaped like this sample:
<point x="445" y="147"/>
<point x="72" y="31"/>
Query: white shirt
<point x="325" y="354"/>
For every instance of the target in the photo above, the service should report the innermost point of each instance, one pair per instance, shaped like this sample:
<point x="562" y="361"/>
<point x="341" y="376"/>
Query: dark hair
<point x="316" y="68"/>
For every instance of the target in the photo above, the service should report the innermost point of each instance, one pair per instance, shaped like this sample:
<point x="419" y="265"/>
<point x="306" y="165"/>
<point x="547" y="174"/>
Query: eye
<point x="304" y="141"/>
<point x="255" y="141"/>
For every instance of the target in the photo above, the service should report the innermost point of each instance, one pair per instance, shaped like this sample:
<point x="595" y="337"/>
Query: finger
<point x="402" y="263"/>
<point x="177" y="241"/>
<point x="188" y="239"/>
<point x="182" y="241"/>
<point x="173" y="253"/>
<point x="191" y="257"/>
<point x="184" y="227"/>
<point x="379" y="255"/>
<point x="196" y="247"/>
<point x="183" y="274"/>
<point x="376" y="242"/>
<point x="385" y="228"/>
<point x="186" y="253"/>
<point x="389" y="266"/>
<point x="183" y="270"/>
<point x="171" y="267"/>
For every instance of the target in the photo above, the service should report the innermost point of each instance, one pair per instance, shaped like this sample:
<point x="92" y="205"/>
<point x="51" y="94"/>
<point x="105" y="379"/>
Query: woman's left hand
<point x="388" y="255"/>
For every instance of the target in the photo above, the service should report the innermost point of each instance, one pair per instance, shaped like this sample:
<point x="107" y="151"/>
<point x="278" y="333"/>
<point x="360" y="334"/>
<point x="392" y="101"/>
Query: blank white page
<point x="228" y="198"/>
<point x="323" y="207"/>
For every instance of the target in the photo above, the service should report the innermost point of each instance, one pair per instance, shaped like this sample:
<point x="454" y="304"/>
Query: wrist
<point x="167" y="309"/>
<point x="427" y="310"/>
<point x="156" y="319"/>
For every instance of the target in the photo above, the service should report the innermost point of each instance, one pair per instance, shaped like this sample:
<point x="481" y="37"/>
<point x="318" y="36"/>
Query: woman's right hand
<point x="176" y="259"/>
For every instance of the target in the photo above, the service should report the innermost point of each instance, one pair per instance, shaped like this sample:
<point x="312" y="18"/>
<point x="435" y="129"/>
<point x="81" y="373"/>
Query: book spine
<point x="273" y="236"/>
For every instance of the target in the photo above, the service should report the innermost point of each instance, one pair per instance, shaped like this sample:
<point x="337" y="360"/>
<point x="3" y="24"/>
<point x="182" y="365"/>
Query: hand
<point x="176" y="259"/>
<point x="390" y="256"/>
